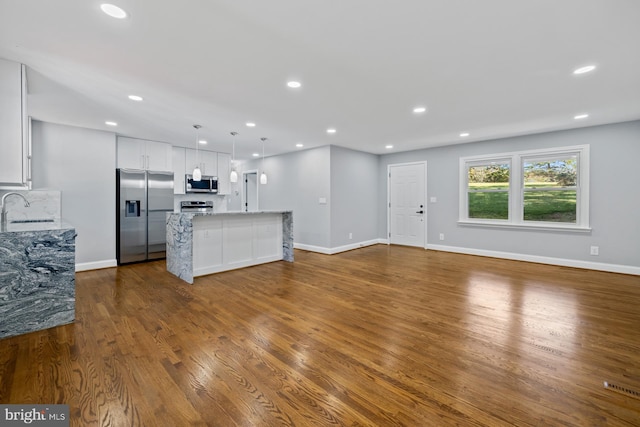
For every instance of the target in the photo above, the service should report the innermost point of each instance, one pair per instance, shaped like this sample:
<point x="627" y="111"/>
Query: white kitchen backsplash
<point x="43" y="204"/>
<point x="219" y="202"/>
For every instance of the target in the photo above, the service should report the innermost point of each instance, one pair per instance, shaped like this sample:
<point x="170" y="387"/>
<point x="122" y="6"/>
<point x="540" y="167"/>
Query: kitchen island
<point x="37" y="276"/>
<point x="201" y="243"/>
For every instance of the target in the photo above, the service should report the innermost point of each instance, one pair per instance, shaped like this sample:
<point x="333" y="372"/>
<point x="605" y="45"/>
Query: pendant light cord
<point x="197" y="127"/>
<point x="233" y="149"/>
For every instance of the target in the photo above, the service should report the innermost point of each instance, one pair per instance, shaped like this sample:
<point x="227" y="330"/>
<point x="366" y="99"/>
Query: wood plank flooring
<point x="379" y="336"/>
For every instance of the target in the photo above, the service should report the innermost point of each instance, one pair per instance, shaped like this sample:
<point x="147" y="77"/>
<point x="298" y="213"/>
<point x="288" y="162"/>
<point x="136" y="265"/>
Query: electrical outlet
<point x="441" y="236"/>
<point x="350" y="236"/>
<point x="433" y="199"/>
<point x="595" y="250"/>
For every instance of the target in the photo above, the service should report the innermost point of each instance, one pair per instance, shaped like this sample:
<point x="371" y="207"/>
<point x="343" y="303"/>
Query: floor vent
<point x="624" y="390"/>
<point x="548" y="349"/>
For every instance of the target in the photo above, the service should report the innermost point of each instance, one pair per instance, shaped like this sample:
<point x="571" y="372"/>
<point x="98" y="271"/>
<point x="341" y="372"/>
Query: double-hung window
<point x="546" y="188"/>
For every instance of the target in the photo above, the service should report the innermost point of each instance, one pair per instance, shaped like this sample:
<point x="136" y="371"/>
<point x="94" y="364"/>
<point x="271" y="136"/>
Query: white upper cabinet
<point x="206" y="160"/>
<point x="159" y="156"/>
<point x="178" y="170"/>
<point x="142" y="154"/>
<point x="224" y="169"/>
<point x="14" y="140"/>
<point x="131" y="153"/>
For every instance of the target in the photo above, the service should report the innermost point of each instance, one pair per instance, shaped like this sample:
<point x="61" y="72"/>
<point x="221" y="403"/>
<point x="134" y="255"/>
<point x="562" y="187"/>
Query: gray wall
<point x="81" y="164"/>
<point x="345" y="178"/>
<point x="614" y="197"/>
<point x="234" y="199"/>
<point x="354" y="185"/>
<point x="354" y="196"/>
<point x="297" y="181"/>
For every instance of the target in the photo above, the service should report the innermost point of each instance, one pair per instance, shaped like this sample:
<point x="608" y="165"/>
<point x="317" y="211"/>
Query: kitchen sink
<point x="29" y="221"/>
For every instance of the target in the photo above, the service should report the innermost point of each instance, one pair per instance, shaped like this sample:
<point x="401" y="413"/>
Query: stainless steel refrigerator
<point x="142" y="200"/>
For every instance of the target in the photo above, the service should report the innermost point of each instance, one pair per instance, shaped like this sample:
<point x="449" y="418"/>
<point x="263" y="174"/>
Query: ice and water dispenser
<point x="132" y="208"/>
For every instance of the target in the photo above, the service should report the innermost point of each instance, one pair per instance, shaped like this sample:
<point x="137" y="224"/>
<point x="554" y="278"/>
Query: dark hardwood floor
<point x="379" y="336"/>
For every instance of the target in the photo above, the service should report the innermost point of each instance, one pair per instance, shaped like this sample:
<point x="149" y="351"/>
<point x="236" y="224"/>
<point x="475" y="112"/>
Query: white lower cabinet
<point x="207" y="239"/>
<point x="226" y="242"/>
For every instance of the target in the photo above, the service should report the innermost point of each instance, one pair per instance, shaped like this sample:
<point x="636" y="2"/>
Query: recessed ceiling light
<point x="202" y="141"/>
<point x="584" y="69"/>
<point x="388" y="147"/>
<point x="113" y="11"/>
<point x="294" y="84"/>
<point x="111" y="123"/>
<point x="299" y="145"/>
<point x="135" y="98"/>
<point x="256" y="154"/>
<point x="464" y="134"/>
<point x="250" y="124"/>
<point x="581" y="116"/>
<point x="331" y="130"/>
<point x="419" y="110"/>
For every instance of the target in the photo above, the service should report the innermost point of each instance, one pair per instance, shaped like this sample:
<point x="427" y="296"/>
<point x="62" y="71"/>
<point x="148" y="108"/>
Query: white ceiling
<point x="494" y="68"/>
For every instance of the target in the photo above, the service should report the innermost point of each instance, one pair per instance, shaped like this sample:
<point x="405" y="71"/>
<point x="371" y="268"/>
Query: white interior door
<point x="407" y="204"/>
<point x="250" y="202"/>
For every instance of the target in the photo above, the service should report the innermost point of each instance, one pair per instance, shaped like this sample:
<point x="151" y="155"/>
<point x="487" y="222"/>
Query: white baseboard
<point x="613" y="268"/>
<point x="84" y="266"/>
<point x="338" y="249"/>
<point x="311" y="248"/>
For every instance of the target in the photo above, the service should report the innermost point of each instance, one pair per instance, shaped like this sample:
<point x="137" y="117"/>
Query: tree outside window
<point x="488" y="191"/>
<point x="546" y="188"/>
<point x="550" y="192"/>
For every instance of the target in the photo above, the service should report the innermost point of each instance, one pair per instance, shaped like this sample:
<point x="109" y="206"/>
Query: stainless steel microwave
<point x="208" y="184"/>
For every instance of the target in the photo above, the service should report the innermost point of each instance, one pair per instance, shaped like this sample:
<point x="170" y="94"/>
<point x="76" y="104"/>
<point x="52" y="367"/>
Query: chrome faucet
<point x="3" y="207"/>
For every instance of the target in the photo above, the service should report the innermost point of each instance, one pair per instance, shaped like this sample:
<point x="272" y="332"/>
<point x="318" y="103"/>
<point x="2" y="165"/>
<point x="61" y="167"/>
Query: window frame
<point x="516" y="191"/>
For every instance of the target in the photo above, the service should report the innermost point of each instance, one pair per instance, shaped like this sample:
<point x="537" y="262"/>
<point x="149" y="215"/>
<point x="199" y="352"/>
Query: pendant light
<point x="197" y="173"/>
<point x="233" y="176"/>
<point x="263" y="176"/>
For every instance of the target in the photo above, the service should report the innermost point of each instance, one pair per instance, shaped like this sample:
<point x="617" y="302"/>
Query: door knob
<point x="420" y="212"/>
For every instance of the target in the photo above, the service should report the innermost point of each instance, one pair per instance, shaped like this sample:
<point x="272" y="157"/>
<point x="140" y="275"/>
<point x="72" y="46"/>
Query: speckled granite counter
<point x="37" y="276"/>
<point x="205" y="243"/>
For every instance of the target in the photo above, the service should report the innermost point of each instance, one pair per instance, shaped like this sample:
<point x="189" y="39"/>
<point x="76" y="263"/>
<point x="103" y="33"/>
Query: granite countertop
<point x="35" y="225"/>
<point x="192" y="214"/>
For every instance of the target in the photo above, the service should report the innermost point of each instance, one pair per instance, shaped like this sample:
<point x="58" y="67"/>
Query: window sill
<point x="527" y="226"/>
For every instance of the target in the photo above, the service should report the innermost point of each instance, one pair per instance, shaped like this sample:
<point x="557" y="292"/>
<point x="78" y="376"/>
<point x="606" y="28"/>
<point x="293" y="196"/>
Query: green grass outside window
<point x="550" y="205"/>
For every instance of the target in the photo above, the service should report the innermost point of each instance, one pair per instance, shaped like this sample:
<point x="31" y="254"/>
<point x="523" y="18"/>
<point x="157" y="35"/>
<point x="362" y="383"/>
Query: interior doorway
<point x="250" y="193"/>
<point x="407" y="215"/>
